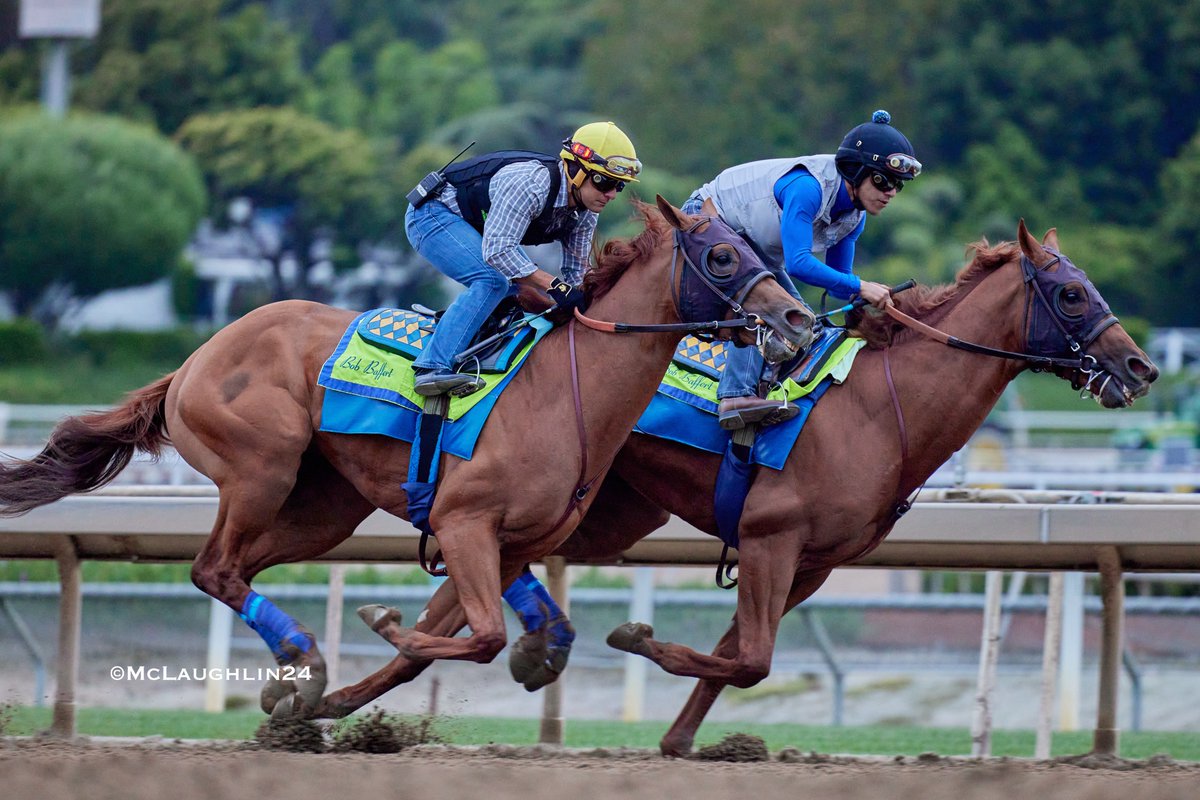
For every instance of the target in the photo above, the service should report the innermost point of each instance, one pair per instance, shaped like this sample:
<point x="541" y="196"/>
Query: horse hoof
<point x="675" y="748"/>
<point x="526" y="655"/>
<point x="285" y="709"/>
<point x="630" y="637"/>
<point x="378" y="616"/>
<point x="540" y="677"/>
<point x="272" y="692"/>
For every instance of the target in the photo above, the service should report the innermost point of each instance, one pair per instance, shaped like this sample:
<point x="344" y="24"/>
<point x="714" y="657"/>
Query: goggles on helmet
<point x="621" y="167"/>
<point x="901" y="164"/>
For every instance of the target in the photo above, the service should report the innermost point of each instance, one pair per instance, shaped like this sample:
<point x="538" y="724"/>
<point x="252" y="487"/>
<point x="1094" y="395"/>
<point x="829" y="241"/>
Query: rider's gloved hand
<point x="566" y="299"/>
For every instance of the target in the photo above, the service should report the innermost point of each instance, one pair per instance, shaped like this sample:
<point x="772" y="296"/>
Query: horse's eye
<point x="1072" y="301"/>
<point x="722" y="260"/>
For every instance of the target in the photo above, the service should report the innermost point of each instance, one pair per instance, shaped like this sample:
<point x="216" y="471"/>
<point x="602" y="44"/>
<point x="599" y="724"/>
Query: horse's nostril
<point x="797" y="318"/>
<point x="1140" y="368"/>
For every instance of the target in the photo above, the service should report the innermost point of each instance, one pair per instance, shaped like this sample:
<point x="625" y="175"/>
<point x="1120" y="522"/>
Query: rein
<point x="953" y="341"/>
<point x="1083" y="362"/>
<point x="582" y="485"/>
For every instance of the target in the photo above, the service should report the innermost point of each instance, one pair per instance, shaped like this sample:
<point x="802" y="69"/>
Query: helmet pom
<point x="882" y="117"/>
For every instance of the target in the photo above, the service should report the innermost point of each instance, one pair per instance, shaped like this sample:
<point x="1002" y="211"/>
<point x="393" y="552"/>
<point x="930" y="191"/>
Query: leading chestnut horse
<point x="908" y="404"/>
<point x="245" y="410"/>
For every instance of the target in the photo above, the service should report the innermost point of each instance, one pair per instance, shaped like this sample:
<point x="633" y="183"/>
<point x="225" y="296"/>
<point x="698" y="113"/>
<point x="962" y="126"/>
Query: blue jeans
<point x="743" y="365"/>
<point x="450" y="243"/>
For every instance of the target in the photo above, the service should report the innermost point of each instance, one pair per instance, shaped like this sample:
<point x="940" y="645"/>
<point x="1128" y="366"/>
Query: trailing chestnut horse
<point x="908" y="404"/>
<point x="245" y="410"/>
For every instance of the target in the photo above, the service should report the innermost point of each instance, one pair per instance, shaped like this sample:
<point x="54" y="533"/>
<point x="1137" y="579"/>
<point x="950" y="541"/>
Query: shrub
<point x="21" y="342"/>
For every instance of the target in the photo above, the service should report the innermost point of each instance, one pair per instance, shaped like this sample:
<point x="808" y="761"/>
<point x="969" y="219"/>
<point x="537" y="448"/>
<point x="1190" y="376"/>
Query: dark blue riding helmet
<point x="876" y="146"/>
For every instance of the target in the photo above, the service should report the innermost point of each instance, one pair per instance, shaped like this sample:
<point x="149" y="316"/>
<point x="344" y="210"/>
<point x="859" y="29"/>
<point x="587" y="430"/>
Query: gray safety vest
<point x="745" y="198"/>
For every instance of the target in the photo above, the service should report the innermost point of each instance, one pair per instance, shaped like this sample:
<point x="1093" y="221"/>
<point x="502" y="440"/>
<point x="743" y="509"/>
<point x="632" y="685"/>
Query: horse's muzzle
<point x="787" y="336"/>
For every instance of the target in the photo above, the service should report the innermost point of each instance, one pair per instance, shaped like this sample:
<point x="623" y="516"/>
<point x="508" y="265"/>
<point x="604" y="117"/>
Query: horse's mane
<point x="921" y="302"/>
<point x="617" y="254"/>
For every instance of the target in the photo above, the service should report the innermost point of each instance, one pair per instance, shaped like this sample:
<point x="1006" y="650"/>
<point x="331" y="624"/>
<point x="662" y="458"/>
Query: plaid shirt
<point x="518" y="193"/>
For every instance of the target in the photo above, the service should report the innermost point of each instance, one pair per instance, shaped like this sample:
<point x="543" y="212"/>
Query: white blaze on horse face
<point x="424" y="613"/>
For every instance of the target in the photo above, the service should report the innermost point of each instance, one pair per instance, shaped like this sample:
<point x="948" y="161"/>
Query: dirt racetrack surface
<point x="100" y="770"/>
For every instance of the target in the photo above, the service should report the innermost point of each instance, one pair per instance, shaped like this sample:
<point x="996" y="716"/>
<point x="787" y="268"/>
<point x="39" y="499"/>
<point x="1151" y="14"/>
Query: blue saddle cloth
<point x="369" y="389"/>
<point x="684" y="408"/>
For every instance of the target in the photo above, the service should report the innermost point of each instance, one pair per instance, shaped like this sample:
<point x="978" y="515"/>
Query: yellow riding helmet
<point x="602" y="147"/>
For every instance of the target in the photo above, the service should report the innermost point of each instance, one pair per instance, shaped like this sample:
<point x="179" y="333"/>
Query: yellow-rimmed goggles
<point x="620" y="167"/>
<point x="902" y="164"/>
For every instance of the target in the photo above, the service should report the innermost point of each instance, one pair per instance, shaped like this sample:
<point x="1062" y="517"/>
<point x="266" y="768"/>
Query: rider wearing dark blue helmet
<point x="794" y="210"/>
<point x="877" y="151"/>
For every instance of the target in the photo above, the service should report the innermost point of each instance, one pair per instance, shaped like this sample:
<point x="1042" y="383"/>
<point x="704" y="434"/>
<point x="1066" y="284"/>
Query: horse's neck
<point x="624" y="365"/>
<point x="946" y="393"/>
<point x="618" y="373"/>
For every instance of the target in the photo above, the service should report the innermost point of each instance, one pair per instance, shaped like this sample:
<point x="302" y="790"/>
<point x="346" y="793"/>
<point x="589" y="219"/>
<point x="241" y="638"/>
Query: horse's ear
<point x="1030" y="247"/>
<point x="672" y="214"/>
<point x="1051" y="240"/>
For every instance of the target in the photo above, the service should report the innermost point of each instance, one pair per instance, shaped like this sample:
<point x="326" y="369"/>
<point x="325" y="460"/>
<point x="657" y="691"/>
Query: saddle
<point x="404" y="332"/>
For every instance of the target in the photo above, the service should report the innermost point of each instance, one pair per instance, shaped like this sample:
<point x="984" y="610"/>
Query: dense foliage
<point x="90" y="203"/>
<point x="1068" y="114"/>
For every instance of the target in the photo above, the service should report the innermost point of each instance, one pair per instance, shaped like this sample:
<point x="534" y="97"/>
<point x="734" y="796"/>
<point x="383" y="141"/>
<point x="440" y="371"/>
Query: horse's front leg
<point x="765" y="574"/>
<point x="472" y="556"/>
<point x="678" y="740"/>
<point x="540" y="655"/>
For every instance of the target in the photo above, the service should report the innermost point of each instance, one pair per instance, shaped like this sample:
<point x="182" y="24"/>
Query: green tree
<point x="1176" y="282"/>
<point x="317" y="179"/>
<point x="1008" y="179"/>
<point x="90" y="203"/>
<point x="163" y="61"/>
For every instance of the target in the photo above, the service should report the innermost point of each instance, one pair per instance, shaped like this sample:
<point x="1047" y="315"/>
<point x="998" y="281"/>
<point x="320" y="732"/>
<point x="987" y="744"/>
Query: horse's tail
<point x="87" y="451"/>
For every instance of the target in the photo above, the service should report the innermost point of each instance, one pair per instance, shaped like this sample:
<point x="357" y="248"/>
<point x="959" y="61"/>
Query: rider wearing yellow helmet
<point x="472" y="226"/>
<point x="597" y="151"/>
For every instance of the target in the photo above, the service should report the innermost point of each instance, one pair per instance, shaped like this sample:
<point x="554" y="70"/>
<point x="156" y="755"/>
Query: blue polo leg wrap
<point x="275" y="627"/>
<point x="522" y="600"/>
<point x="535" y="607"/>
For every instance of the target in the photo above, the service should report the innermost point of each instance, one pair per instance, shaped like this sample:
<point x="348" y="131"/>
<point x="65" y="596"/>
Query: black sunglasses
<point x="885" y="183"/>
<point x="606" y="184"/>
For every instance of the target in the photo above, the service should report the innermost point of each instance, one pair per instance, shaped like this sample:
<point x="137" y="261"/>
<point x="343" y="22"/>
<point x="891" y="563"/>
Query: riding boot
<point x="735" y="413"/>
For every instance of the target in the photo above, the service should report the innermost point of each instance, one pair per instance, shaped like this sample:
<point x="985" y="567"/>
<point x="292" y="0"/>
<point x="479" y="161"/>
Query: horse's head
<point x="1067" y="318"/>
<point x="725" y="276"/>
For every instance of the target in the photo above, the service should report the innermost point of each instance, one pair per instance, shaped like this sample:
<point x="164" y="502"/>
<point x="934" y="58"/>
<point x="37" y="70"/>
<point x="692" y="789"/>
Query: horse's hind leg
<point x="677" y="742"/>
<point x="257" y="528"/>
<point x="442" y="616"/>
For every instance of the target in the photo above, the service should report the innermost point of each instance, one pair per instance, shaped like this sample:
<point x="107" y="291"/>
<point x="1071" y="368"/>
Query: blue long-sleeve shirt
<point x="799" y="195"/>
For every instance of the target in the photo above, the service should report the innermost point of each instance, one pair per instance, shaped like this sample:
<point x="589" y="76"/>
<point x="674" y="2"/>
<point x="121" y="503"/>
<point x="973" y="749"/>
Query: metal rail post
<point x="1051" y="651"/>
<point x="552" y="716"/>
<point x="70" y="613"/>
<point x="981" y="724"/>
<point x="641" y="609"/>
<point x="333" y="623"/>
<point x="1112" y="593"/>
<point x="220" y="635"/>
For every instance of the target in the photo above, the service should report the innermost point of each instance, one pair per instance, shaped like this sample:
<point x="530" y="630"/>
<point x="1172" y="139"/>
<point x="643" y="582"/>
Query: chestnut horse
<point x="245" y="410"/>
<point x="869" y="444"/>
